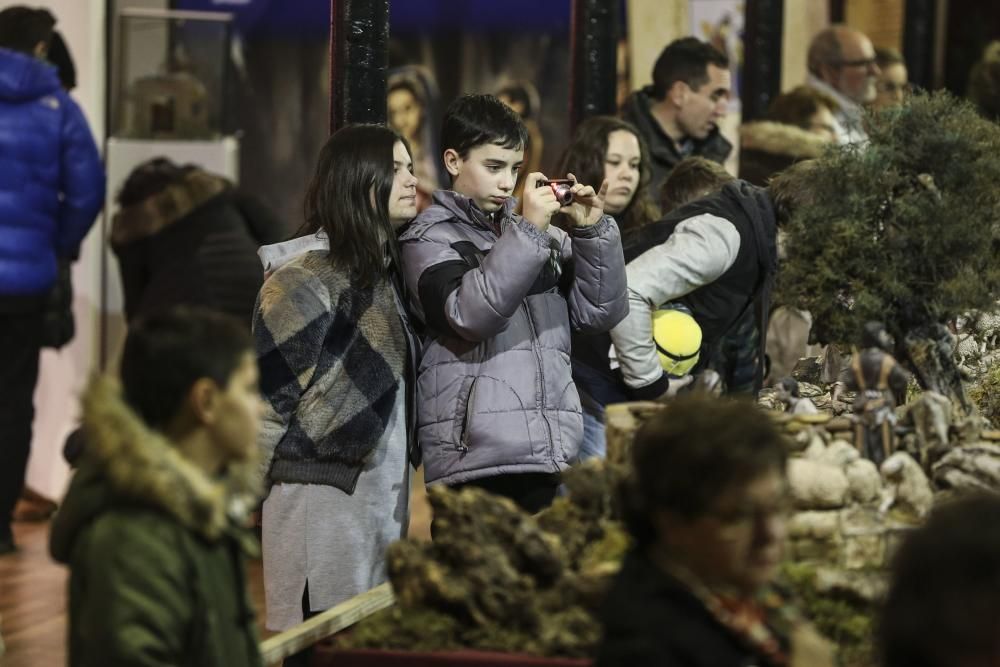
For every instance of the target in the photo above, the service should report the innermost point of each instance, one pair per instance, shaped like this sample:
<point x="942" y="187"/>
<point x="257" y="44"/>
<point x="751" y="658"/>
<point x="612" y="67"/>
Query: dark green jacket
<point x="156" y="557"/>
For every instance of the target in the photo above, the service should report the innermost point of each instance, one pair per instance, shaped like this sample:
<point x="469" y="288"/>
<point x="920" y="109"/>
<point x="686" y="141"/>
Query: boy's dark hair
<point x="688" y="454"/>
<point x="475" y="120"/>
<point x="22" y="28"/>
<point x="943" y="604"/>
<point x="798" y="106"/>
<point x="686" y="59"/>
<point x="166" y="353"/>
<point x="692" y="178"/>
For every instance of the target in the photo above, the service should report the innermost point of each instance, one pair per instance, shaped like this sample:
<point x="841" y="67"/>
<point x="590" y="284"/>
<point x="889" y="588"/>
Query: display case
<point x="169" y="79"/>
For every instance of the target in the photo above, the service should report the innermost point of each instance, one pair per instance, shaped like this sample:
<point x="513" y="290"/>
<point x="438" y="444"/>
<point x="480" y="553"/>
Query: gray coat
<point x="498" y="297"/>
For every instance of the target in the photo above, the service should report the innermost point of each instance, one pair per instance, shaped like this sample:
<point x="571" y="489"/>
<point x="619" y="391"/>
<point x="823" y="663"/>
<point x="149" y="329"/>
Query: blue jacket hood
<point x="24" y="77"/>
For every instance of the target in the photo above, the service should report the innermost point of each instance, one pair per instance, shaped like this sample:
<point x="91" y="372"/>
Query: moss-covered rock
<point x="985" y="394"/>
<point x="844" y="619"/>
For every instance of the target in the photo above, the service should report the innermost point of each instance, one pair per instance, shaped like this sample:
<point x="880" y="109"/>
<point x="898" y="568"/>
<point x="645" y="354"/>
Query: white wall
<point x="64" y="373"/>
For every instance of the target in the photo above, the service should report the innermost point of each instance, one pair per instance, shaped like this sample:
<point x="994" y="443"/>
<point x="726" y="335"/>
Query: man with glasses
<point x="842" y="64"/>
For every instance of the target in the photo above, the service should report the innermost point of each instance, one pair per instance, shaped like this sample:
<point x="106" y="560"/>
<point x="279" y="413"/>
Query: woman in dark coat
<point x="185" y="236"/>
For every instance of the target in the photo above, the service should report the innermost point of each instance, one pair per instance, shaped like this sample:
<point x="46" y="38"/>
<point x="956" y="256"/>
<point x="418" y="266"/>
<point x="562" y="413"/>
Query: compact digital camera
<point x="561" y="187"/>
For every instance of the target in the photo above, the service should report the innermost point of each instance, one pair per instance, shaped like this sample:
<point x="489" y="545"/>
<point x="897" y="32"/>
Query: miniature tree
<point x="905" y="231"/>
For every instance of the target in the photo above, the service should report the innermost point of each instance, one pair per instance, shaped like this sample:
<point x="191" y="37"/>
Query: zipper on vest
<point x="541" y="377"/>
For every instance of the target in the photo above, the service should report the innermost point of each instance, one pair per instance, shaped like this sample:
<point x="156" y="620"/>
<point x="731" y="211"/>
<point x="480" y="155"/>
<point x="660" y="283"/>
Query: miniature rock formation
<point x="496" y="578"/>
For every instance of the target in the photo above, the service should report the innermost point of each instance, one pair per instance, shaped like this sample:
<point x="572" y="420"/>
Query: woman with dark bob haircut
<point x="336" y="357"/>
<point x="705" y="504"/>
<point x="606" y="148"/>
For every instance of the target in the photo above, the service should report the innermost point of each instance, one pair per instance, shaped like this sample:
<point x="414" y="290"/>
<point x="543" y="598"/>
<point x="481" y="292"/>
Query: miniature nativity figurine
<point x="880" y="382"/>
<point x="787" y="391"/>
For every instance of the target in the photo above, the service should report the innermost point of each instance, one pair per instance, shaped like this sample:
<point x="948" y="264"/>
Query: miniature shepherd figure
<point x="880" y="382"/>
<point x="788" y="393"/>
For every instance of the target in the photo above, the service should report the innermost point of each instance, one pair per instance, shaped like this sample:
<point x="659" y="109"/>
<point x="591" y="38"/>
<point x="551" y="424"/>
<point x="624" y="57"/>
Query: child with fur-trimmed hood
<point x="153" y="526"/>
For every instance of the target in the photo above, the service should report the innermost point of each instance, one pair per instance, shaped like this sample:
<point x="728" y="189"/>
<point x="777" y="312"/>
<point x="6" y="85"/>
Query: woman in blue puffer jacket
<point x="51" y="190"/>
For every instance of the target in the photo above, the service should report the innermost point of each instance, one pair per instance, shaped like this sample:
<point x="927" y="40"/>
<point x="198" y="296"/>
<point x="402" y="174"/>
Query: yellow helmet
<point x="678" y="339"/>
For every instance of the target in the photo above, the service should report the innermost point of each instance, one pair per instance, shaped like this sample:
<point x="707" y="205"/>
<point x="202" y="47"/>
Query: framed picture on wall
<point x="721" y="24"/>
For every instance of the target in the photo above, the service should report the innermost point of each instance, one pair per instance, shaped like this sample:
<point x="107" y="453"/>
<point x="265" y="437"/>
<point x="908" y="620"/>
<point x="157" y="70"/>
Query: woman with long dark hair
<point x="607" y="148"/>
<point x="334" y="347"/>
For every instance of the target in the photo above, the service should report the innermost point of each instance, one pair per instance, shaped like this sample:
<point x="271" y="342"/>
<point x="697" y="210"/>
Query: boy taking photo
<point x="499" y="293"/>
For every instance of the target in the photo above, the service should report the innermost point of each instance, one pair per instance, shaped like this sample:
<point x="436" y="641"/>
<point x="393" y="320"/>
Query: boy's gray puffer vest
<point x="498" y="297"/>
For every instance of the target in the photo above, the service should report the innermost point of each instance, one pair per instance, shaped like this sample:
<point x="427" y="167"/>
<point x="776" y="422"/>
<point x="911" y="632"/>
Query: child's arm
<point x="473" y="302"/>
<point x="476" y="302"/>
<point x="697" y="253"/>
<point x="597" y="298"/>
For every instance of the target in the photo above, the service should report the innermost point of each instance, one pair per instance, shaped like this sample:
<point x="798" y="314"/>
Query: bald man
<point x="842" y="65"/>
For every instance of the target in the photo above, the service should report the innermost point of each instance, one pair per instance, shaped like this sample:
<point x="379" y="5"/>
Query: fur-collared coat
<point x="155" y="549"/>
<point x="767" y="147"/>
<point x="194" y="243"/>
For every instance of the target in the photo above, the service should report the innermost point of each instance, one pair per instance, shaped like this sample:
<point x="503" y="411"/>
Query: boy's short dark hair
<point x="475" y="120"/>
<point x="691" y="452"/>
<point x="692" y="178"/>
<point x="943" y="604"/>
<point x="22" y="28"/>
<point x="166" y="353"/>
<point x="686" y="59"/>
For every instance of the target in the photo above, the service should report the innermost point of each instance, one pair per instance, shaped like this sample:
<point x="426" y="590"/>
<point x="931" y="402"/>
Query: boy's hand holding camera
<point x="540" y="202"/>
<point x="580" y="202"/>
<point x="587" y="207"/>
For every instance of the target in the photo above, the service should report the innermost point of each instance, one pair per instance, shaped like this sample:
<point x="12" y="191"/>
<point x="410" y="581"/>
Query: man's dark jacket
<point x="663" y="152"/>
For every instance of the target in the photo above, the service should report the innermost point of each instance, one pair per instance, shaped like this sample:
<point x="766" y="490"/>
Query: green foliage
<point x="986" y="394"/>
<point x="846" y="623"/>
<point x="905" y="231"/>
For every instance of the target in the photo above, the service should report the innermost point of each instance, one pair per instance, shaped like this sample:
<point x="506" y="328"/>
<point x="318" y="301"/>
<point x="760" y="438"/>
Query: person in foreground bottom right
<point x="705" y="505"/>
<point x="943" y="605"/>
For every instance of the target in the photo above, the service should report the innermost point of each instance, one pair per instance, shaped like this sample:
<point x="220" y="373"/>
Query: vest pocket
<point x="465" y="412"/>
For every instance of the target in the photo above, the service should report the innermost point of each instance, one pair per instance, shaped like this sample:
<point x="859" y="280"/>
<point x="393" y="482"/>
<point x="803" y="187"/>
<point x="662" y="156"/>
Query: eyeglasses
<point x="893" y="87"/>
<point x="745" y="516"/>
<point x="863" y="62"/>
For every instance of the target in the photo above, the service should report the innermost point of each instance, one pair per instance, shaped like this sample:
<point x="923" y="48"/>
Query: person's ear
<point x="828" y="73"/>
<point x="453" y="162"/>
<point x="678" y="93"/>
<point x="41" y="49"/>
<point x="203" y="401"/>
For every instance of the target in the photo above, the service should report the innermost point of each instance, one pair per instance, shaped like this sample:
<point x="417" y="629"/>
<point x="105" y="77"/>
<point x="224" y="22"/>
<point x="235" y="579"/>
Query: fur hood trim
<point x="781" y="139"/>
<point x="159" y="211"/>
<point x="140" y="464"/>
